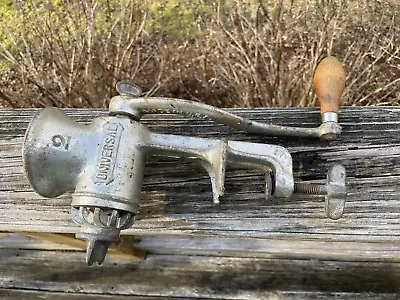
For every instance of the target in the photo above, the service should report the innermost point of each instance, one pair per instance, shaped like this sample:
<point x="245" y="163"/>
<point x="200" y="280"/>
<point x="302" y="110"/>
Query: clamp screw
<point x="334" y="191"/>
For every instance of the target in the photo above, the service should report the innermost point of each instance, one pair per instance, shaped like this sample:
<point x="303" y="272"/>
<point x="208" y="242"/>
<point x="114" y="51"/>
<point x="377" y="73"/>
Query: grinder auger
<point x="102" y="163"/>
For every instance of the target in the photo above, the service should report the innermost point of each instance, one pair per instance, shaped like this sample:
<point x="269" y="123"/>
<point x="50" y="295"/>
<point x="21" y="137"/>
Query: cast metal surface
<point x="102" y="165"/>
<point x="139" y="106"/>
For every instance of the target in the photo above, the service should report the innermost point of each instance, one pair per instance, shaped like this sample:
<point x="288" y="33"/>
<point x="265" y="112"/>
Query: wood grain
<point x="245" y="248"/>
<point x="198" y="277"/>
<point x="177" y="195"/>
<point x="10" y="294"/>
<point x="236" y="247"/>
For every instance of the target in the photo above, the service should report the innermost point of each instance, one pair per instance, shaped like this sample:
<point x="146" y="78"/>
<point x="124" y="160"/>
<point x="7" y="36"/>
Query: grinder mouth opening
<point x="27" y="155"/>
<point x="42" y="160"/>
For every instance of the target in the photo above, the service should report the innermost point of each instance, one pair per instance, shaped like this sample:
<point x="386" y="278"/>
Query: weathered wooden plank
<point x="10" y="294"/>
<point x="238" y="247"/>
<point x="177" y="195"/>
<point x="271" y="248"/>
<point x="19" y="241"/>
<point x="122" y="249"/>
<point x="196" y="276"/>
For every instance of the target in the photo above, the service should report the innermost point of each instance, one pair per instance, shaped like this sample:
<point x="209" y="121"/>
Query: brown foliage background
<point x="225" y="53"/>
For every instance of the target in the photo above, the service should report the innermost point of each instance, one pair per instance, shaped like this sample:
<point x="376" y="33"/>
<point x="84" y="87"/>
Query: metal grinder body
<point x="102" y="163"/>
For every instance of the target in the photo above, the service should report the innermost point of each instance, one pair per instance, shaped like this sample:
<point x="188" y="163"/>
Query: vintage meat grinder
<point x="102" y="163"/>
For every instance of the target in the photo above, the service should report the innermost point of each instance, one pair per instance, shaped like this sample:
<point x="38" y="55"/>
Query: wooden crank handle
<point x="329" y="81"/>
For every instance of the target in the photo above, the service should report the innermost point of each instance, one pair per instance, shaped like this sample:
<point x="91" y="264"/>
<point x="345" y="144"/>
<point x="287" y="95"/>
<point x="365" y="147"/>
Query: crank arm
<point x="329" y="81"/>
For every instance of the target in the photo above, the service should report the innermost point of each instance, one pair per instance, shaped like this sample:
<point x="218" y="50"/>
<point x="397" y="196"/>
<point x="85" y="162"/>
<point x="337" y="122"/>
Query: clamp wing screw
<point x="334" y="191"/>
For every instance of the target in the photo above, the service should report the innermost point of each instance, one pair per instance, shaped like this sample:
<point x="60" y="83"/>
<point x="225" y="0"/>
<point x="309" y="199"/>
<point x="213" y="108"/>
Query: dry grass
<point x="261" y="53"/>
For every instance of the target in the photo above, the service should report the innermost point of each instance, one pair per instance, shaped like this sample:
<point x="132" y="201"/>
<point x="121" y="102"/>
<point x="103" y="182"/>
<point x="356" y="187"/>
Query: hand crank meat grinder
<point x="102" y="163"/>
